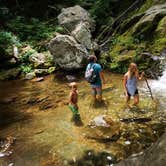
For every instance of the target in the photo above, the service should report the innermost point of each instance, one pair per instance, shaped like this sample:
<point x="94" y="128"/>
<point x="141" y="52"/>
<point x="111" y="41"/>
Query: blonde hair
<point x="73" y="85"/>
<point x="132" y="73"/>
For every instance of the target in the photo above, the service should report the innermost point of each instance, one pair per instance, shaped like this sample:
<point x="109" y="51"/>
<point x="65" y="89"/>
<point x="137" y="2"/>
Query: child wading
<point x="130" y="83"/>
<point x="73" y="99"/>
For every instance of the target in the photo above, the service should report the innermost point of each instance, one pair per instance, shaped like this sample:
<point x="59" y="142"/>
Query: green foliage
<point x="32" y="29"/>
<point x="7" y="40"/>
<point x="26" y="55"/>
<point x="51" y="70"/>
<point x="26" y="68"/>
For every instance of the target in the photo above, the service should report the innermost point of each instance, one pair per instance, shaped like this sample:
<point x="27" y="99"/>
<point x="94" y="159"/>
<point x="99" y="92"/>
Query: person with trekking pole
<point x="130" y="80"/>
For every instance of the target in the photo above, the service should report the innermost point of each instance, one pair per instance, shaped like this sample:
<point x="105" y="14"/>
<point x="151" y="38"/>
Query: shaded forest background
<point x="35" y="23"/>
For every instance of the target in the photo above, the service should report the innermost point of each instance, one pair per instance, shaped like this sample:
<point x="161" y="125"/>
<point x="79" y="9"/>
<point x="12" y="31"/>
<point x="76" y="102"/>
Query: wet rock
<point x="70" y="78"/>
<point x="41" y="72"/>
<point x="153" y="62"/>
<point x="91" y="158"/>
<point x="129" y="22"/>
<point x="135" y="119"/>
<point x="5" y="145"/>
<point x="103" y="129"/>
<point x="45" y="106"/>
<point x="100" y="121"/>
<point x="67" y="53"/>
<point x="155" y="155"/>
<point x="72" y="16"/>
<point x="35" y="100"/>
<point x="38" y="79"/>
<point x="30" y="75"/>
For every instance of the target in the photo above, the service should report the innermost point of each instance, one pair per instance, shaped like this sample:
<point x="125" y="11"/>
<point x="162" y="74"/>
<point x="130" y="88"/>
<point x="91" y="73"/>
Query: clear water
<point x="36" y="115"/>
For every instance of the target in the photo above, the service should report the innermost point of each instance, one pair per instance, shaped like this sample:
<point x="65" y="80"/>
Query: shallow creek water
<point x="34" y="115"/>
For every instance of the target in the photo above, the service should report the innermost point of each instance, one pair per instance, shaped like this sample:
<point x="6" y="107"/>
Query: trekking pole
<point x="149" y="88"/>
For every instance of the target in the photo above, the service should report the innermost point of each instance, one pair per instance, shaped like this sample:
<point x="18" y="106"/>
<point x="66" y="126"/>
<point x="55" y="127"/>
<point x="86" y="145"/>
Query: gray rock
<point x="70" y="78"/>
<point x="30" y="75"/>
<point x="42" y="60"/>
<point x="67" y="53"/>
<point x="72" y="16"/>
<point x="44" y="71"/>
<point x="82" y="35"/>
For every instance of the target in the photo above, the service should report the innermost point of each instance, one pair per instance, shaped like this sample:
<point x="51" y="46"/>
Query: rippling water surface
<point x="36" y="123"/>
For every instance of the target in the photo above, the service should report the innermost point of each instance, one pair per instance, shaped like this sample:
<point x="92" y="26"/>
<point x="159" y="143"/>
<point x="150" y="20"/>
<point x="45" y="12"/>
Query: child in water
<point x="73" y="99"/>
<point x="130" y="83"/>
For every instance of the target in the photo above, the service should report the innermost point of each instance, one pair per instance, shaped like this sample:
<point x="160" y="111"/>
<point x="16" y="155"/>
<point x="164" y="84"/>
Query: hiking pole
<point x="149" y="88"/>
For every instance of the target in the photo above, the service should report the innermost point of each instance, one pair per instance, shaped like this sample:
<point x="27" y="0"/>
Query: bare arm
<point x="124" y="83"/>
<point x="70" y="98"/>
<point x="102" y="77"/>
<point x="139" y="77"/>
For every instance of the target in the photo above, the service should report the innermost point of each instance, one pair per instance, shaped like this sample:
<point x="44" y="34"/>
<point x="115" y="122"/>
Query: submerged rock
<point x="154" y="156"/>
<point x="71" y="78"/>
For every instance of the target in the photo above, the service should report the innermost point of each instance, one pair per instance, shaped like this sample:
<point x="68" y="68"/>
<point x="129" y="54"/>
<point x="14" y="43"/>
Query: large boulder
<point x="67" y="53"/>
<point x="72" y="16"/>
<point x="83" y="35"/>
<point x="150" y="20"/>
<point x="154" y="156"/>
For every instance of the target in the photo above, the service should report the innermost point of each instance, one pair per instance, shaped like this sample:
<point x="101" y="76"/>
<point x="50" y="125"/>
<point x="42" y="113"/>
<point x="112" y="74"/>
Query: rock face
<point x="154" y="156"/>
<point x="72" y="16"/>
<point x="83" y="35"/>
<point x="70" y="51"/>
<point x="150" y="20"/>
<point x="68" y="54"/>
<point x="42" y="60"/>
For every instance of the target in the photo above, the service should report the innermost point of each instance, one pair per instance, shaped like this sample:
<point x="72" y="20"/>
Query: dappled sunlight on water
<point x="36" y="115"/>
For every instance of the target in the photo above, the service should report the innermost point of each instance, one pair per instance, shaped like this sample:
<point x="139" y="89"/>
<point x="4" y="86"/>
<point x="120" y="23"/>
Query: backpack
<point x="90" y="74"/>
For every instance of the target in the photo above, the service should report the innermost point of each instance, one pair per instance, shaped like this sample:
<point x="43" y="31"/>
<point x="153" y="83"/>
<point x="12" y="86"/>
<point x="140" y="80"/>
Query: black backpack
<point x="90" y="74"/>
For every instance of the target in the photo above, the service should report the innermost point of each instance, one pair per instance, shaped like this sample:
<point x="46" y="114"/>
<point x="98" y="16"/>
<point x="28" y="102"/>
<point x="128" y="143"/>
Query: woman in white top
<point x="130" y="83"/>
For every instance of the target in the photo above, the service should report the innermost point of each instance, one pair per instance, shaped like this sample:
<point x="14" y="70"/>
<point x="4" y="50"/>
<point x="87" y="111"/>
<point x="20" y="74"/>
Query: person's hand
<point x="143" y="74"/>
<point x="126" y="94"/>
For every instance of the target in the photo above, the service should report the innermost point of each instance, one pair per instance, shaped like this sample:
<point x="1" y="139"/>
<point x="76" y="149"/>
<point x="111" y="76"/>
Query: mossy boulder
<point x="149" y="21"/>
<point x="159" y="40"/>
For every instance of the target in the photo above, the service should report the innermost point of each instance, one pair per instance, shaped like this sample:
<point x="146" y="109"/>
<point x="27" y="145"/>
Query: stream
<point x="36" y="127"/>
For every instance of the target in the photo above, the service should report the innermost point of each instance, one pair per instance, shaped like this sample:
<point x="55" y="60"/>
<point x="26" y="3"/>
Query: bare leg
<point x="94" y="94"/>
<point x="128" y="101"/>
<point x="136" y="99"/>
<point x="99" y="93"/>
